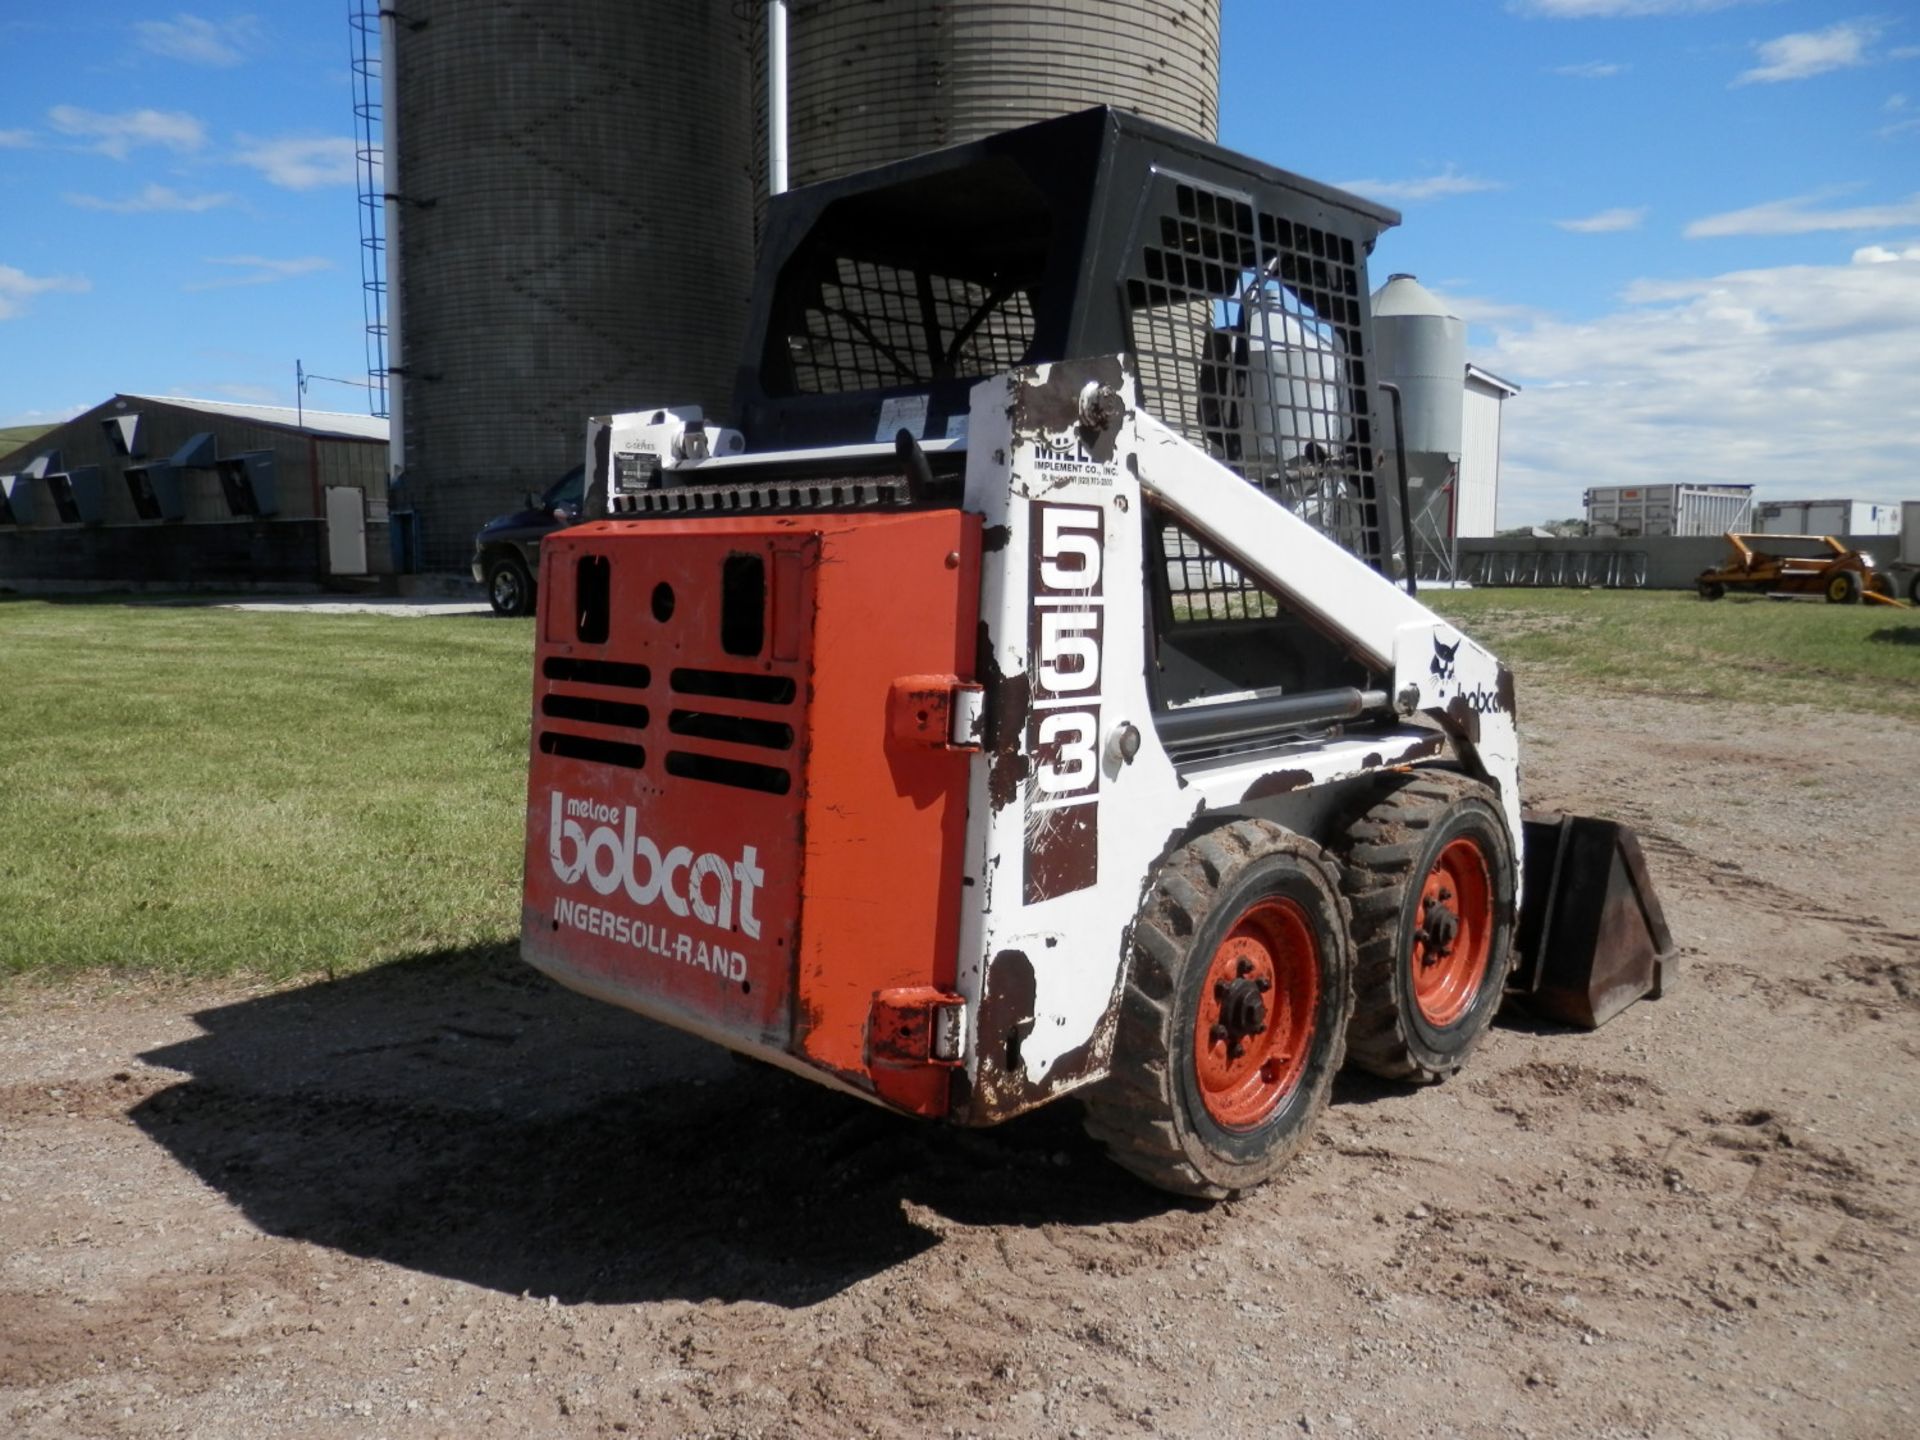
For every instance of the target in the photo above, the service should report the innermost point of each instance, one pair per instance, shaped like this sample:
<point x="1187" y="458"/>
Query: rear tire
<point x="509" y="585"/>
<point x="1430" y="876"/>
<point x="1913" y="588"/>
<point x="1234" y="1016"/>
<point x="1711" y="590"/>
<point x="1843" y="588"/>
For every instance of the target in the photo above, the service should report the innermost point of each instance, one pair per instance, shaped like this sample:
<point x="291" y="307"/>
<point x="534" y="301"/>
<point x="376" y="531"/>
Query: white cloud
<point x="1895" y="103"/>
<point x="198" y="41"/>
<point x="295" y="164"/>
<point x="1881" y="255"/>
<point x="1766" y="376"/>
<point x="259" y="270"/>
<point x="1431" y="187"/>
<point x="1812" y="52"/>
<point x="15" y="139"/>
<point x="1793" y="217"/>
<point x="115" y="135"/>
<point x="1483" y="311"/>
<point x="1615" y="9"/>
<point x="1591" y="69"/>
<point x="152" y="198"/>
<point x="1606" y="221"/>
<point x="17" y="288"/>
<point x="1899" y="127"/>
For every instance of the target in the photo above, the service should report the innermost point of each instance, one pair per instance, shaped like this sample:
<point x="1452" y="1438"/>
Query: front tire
<point x="1430" y="876"/>
<point x="509" y="585"/>
<point x="1234" y="1017"/>
<point x="1843" y="588"/>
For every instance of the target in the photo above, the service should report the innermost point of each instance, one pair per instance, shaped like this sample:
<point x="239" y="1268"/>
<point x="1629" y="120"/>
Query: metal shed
<point x="165" y="490"/>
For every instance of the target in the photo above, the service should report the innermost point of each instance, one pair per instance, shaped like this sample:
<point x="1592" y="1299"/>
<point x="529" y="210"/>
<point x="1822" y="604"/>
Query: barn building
<point x="161" y="490"/>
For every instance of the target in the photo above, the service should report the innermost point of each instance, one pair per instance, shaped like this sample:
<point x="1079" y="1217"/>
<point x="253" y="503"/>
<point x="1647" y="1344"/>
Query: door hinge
<point x="917" y="1026"/>
<point x="942" y="711"/>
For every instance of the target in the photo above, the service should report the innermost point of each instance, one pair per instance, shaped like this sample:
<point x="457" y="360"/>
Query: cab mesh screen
<point x="1246" y="331"/>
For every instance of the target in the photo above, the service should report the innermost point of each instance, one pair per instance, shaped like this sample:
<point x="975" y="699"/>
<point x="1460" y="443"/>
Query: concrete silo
<point x="878" y="80"/>
<point x="575" y="233"/>
<point x="1421" y="348"/>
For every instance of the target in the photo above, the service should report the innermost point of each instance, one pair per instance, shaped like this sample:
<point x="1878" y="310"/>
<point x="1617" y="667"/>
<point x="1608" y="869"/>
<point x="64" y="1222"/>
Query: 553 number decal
<point x="1065" y="634"/>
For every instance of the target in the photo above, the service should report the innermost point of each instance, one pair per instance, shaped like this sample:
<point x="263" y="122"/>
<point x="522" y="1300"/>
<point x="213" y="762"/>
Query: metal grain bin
<point x="878" y="80"/>
<point x="577" y="237"/>
<point x="1422" y="348"/>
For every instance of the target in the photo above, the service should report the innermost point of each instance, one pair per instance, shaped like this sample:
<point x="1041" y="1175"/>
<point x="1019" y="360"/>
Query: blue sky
<point x="1690" y="229"/>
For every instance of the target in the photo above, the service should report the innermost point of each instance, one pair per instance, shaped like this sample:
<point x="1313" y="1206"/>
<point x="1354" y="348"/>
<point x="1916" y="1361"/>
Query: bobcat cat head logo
<point x="1443" y="659"/>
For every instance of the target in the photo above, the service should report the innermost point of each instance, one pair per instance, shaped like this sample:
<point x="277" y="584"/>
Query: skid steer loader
<point x="1015" y="699"/>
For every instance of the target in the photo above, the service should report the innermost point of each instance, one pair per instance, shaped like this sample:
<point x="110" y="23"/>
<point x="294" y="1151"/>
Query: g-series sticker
<point x="709" y="889"/>
<point x="1066" y="631"/>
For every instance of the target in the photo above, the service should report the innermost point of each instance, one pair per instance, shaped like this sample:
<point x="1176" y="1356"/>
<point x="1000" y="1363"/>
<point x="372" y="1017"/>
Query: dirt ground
<point x="445" y="1198"/>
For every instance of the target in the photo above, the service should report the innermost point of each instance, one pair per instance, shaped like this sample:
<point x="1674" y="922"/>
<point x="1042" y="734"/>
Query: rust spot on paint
<point x="1423" y="748"/>
<point x="995" y="537"/>
<point x="1277" y="782"/>
<point x="1005" y="728"/>
<point x="1001" y="1086"/>
<point x="1466" y="720"/>
<point x="1055" y="406"/>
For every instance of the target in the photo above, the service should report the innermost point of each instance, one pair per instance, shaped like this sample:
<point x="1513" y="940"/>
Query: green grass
<point x="193" y="791"/>
<point x="12" y="437"/>
<point x="1844" y="658"/>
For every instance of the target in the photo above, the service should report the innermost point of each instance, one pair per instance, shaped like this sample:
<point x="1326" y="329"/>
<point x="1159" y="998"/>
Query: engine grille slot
<point x="568" y="669"/>
<point x="731" y="729"/>
<point x="740" y="774"/>
<point x="743" y="604"/>
<point x="594" y="711"/>
<point x="593" y="595"/>
<point x="586" y="747"/>
<point x="735" y="685"/>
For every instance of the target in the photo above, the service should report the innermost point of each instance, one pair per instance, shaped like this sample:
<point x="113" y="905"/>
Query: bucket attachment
<point x="1592" y="936"/>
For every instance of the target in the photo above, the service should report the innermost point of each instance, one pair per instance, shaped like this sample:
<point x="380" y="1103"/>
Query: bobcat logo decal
<point x="1443" y="659"/>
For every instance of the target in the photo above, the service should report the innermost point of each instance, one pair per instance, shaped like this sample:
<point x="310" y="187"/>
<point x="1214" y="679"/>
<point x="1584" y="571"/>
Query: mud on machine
<point x="1016" y="699"/>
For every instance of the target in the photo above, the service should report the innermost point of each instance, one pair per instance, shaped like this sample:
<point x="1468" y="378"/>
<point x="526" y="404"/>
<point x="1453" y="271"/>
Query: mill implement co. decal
<point x="614" y="859"/>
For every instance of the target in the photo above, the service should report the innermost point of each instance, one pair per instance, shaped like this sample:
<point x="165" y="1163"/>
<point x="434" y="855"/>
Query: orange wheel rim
<point x="1256" y="1014"/>
<point x="1453" y="933"/>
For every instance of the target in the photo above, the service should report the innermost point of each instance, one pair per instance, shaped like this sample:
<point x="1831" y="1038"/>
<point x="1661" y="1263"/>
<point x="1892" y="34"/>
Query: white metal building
<point x="1827" y="517"/>
<point x="1477" y="497"/>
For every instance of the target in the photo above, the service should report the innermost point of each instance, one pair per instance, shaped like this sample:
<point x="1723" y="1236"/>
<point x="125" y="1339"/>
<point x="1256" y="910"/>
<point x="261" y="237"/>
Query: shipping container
<point x="1635" y="510"/>
<point x="1827" y="517"/>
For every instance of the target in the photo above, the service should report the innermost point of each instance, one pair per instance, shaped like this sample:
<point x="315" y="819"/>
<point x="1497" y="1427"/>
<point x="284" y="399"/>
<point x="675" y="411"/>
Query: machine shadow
<point x="459" y="1115"/>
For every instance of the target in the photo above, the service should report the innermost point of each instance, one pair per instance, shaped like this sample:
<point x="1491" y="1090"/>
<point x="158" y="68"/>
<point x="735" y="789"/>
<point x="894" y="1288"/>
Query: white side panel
<point x="346" y="530"/>
<point x="1477" y="498"/>
<point x="1064" y="829"/>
